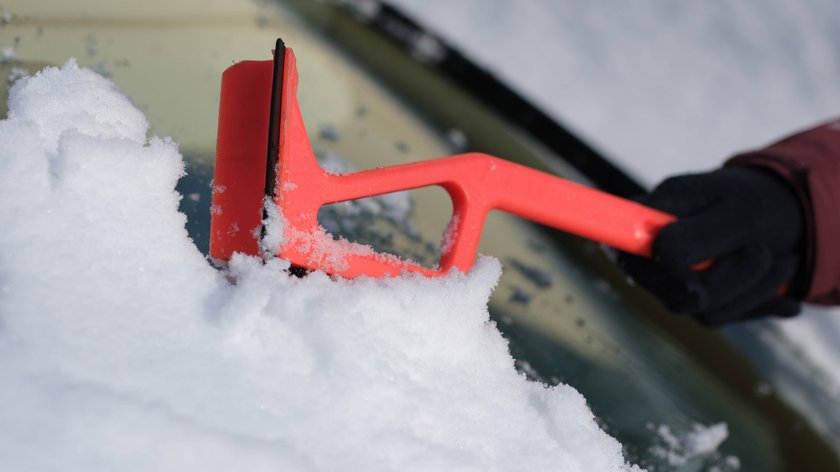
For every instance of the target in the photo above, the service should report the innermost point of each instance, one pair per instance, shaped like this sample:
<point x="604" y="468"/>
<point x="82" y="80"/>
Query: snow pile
<point x="121" y="348"/>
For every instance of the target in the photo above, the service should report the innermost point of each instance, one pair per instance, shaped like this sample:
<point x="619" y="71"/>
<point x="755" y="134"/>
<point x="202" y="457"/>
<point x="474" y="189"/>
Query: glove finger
<point x="754" y="302"/>
<point x="782" y="307"/>
<point x="681" y="196"/>
<point x="679" y="291"/>
<point x="704" y="237"/>
<point x="733" y="274"/>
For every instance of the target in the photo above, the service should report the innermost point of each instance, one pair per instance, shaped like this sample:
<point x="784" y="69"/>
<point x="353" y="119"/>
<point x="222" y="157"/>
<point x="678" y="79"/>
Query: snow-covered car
<point x="377" y="89"/>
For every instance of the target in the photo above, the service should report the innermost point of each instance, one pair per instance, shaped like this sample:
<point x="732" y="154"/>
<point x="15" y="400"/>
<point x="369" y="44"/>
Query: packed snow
<point x="122" y="348"/>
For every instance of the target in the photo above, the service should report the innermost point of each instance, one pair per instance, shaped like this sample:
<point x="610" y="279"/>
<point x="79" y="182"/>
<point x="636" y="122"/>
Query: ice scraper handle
<point x="571" y="207"/>
<point x="479" y="183"/>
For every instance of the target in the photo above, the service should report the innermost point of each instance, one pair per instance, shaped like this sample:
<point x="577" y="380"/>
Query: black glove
<point x="748" y="222"/>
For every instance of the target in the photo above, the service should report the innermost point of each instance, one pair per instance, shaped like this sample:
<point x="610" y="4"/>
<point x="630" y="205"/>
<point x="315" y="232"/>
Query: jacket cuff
<point x="810" y="163"/>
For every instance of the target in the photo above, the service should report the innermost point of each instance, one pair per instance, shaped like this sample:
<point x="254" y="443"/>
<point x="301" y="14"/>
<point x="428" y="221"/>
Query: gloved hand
<point x="748" y="222"/>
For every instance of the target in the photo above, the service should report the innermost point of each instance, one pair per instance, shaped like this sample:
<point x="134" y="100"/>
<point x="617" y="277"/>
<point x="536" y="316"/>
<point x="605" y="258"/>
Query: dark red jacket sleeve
<point x="810" y="162"/>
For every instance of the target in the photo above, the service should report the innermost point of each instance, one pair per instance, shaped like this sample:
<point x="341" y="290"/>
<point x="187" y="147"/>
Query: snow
<point x="7" y="53"/>
<point x="274" y="226"/>
<point x="705" y="440"/>
<point x="701" y="442"/>
<point x="122" y="348"/>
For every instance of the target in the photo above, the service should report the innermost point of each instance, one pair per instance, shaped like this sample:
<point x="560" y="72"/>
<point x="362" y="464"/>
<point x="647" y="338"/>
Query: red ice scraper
<point x="263" y="151"/>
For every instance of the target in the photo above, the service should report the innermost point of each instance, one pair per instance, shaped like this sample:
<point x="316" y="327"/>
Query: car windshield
<point x="656" y="382"/>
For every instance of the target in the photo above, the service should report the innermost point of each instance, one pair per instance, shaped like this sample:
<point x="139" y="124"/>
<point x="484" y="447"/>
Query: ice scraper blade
<point x="263" y="152"/>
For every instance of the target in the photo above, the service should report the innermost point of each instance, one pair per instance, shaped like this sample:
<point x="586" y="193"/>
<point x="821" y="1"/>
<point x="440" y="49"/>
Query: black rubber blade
<point x="274" y="119"/>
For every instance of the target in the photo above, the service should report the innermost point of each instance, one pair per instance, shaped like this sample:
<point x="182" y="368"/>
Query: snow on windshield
<point x="122" y="348"/>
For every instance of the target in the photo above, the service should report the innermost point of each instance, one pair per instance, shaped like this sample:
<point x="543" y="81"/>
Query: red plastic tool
<point x="263" y="149"/>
